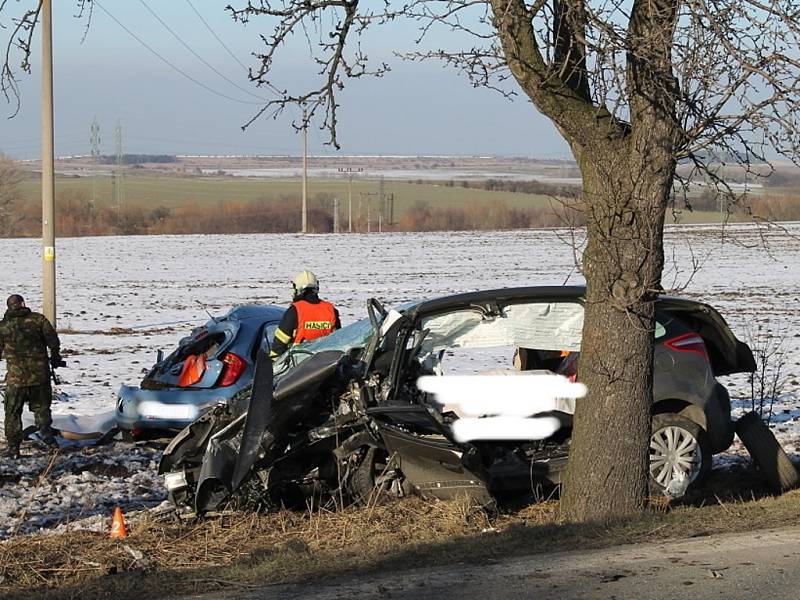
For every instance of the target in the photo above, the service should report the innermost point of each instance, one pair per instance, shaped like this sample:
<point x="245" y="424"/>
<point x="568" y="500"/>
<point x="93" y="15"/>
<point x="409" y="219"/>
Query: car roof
<point x="566" y="293"/>
<point x="552" y="292"/>
<point x="256" y="311"/>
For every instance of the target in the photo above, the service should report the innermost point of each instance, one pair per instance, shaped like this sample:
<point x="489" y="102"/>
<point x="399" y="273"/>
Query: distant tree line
<point x="511" y="186"/>
<point x="136" y="159"/>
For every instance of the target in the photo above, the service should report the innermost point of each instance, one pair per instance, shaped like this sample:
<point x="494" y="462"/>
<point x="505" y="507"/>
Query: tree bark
<point x="626" y="195"/>
<point x="627" y="182"/>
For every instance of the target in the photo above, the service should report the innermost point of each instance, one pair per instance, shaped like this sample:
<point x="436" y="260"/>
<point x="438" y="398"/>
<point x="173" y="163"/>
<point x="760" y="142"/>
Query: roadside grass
<point x="239" y="551"/>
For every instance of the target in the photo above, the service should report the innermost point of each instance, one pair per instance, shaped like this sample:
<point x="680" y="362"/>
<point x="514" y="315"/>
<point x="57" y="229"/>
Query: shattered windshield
<point x="345" y="339"/>
<point x="355" y="335"/>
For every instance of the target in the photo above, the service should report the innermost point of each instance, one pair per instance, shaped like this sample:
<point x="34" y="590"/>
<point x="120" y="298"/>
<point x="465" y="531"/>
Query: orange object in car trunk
<point x="193" y="368"/>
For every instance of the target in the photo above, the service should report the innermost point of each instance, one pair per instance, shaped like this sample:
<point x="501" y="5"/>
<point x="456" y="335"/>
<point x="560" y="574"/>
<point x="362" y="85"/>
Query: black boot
<point x="50" y="443"/>
<point x="48" y="439"/>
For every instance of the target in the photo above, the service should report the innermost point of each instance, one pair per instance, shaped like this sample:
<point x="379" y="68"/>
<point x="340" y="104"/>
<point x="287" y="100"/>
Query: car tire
<point x="372" y="466"/>
<point x="678" y="448"/>
<point x="768" y="455"/>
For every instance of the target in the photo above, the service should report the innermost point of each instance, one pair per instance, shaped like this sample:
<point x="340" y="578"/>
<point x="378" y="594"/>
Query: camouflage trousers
<point x="38" y="398"/>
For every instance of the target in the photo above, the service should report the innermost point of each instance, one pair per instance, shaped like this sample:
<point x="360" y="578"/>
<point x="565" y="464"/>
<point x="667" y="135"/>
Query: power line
<point x="214" y="33"/>
<point x="168" y="63"/>
<point x="36" y="139"/>
<point x="278" y="92"/>
<point x="196" y="55"/>
<point x="225" y="46"/>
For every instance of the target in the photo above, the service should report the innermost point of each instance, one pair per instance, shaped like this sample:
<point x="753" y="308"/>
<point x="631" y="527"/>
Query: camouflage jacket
<point x="25" y="337"/>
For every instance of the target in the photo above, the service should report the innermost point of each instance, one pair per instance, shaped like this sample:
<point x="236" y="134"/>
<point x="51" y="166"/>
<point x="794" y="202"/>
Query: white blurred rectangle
<point x="506" y="407"/>
<point x="149" y="409"/>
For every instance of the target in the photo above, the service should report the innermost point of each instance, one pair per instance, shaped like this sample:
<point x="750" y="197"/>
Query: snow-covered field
<point x="123" y="298"/>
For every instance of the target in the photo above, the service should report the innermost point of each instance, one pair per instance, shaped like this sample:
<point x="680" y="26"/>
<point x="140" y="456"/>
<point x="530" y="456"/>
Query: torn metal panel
<point x="436" y="467"/>
<point x="258" y="417"/>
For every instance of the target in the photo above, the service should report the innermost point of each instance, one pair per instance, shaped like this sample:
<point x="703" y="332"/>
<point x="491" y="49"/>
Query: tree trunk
<point x="628" y="170"/>
<point x="626" y="193"/>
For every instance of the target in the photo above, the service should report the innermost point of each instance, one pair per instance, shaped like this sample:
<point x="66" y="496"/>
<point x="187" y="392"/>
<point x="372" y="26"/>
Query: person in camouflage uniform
<point x="25" y="337"/>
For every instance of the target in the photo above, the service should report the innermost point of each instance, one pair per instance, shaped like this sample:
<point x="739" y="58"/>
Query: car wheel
<point x="770" y="458"/>
<point x="374" y="480"/>
<point x="679" y="454"/>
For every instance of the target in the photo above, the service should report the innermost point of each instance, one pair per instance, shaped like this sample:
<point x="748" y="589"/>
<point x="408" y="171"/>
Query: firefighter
<point x="308" y="318"/>
<point x="25" y="337"/>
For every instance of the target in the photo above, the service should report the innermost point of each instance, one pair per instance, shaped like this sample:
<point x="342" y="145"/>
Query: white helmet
<point x="304" y="280"/>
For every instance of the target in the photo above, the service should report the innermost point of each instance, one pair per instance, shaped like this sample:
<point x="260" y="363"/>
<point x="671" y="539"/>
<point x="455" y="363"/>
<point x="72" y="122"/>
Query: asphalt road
<point x="762" y="565"/>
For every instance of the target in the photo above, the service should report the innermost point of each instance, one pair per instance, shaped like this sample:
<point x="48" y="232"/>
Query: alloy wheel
<point x="674" y="454"/>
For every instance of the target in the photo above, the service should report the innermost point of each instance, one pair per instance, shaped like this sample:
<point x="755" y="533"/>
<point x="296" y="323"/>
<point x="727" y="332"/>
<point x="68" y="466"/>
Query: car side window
<point x="660" y="331"/>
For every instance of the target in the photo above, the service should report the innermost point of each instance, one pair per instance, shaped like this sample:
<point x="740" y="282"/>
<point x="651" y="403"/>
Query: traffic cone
<point x="118" y="528"/>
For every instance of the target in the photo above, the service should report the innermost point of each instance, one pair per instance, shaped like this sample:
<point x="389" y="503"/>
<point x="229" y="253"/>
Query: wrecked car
<point x="209" y="366"/>
<point x="343" y="417"/>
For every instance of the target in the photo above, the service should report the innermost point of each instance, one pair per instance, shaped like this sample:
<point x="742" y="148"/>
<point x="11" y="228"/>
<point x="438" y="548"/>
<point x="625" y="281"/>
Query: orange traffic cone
<point x="118" y="528"/>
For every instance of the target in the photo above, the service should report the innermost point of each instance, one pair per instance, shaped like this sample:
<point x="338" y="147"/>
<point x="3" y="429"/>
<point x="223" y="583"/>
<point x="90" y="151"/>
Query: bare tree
<point x="768" y="381"/>
<point x="635" y="87"/>
<point x="10" y="178"/>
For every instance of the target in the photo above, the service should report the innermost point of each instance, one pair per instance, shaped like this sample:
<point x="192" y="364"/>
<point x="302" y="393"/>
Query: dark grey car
<point x="228" y="346"/>
<point x="345" y="412"/>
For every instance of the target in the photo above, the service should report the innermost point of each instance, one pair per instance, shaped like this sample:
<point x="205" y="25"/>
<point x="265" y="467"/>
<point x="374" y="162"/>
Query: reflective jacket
<point x="306" y="319"/>
<point x="313" y="320"/>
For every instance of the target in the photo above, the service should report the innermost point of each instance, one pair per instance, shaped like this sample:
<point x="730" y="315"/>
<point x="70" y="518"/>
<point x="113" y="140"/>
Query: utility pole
<point x="381" y="202"/>
<point x="368" y="196"/>
<point x="305" y="172"/>
<point x="118" y="191"/>
<point x="48" y="169"/>
<point x="381" y="194"/>
<point x="350" y="172"/>
<point x="94" y="142"/>
<point x="336" y="215"/>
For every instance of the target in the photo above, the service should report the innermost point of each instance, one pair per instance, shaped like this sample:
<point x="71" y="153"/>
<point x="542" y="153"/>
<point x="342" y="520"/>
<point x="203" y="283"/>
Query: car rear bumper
<point x="162" y="409"/>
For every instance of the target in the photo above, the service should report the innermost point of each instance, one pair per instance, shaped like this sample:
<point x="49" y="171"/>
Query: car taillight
<point x="688" y="342"/>
<point x="232" y="368"/>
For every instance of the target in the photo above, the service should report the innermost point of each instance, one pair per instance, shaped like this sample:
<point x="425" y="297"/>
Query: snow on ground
<point x="123" y="298"/>
<point x="81" y="486"/>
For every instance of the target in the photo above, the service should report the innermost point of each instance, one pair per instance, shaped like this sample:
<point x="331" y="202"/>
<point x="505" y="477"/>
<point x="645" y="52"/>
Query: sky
<point x="415" y="109"/>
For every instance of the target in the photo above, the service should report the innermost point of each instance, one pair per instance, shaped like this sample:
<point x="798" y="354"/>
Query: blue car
<point x="208" y="367"/>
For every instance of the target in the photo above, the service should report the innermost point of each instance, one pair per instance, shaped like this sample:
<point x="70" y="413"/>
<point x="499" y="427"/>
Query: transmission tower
<point x="119" y="195"/>
<point x="94" y="142"/>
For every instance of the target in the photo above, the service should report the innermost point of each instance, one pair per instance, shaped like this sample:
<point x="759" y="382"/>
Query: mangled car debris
<point x="342" y="417"/>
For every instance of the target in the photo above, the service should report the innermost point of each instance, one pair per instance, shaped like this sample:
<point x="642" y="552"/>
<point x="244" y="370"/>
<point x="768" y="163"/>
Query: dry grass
<point x="242" y="550"/>
<point x="239" y="541"/>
